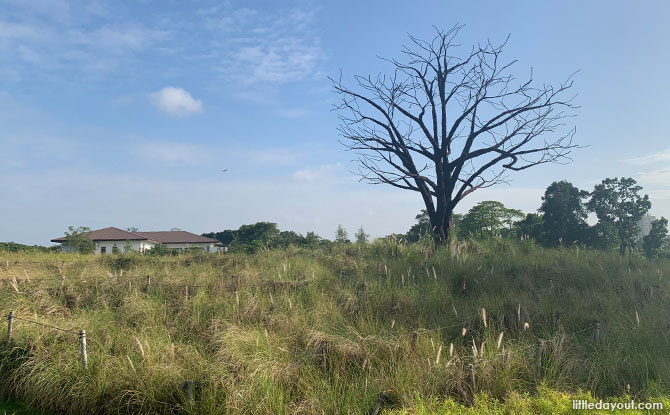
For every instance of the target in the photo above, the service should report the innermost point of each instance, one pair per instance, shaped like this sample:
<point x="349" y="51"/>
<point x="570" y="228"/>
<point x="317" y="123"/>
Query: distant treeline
<point x="16" y="247"/>
<point x="264" y="235"/>
<point x="616" y="203"/>
<point x="560" y="220"/>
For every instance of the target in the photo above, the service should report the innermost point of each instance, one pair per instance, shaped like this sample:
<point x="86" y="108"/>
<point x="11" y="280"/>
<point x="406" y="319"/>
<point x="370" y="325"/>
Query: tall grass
<point x="312" y="332"/>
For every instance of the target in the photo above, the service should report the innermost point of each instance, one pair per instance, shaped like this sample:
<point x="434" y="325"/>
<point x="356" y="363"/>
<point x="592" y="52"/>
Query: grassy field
<point x="496" y="327"/>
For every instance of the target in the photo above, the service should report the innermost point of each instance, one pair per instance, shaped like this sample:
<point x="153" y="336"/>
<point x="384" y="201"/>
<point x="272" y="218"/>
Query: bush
<point x="78" y="239"/>
<point x="160" y="250"/>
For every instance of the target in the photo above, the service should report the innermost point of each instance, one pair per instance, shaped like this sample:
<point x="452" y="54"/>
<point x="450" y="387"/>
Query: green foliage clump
<point x="564" y="214"/>
<point x="78" y="239"/>
<point x="16" y="247"/>
<point x="341" y="235"/>
<point x="160" y="250"/>
<point x="361" y="236"/>
<point x="421" y="228"/>
<point x="487" y="219"/>
<point x="532" y="226"/>
<point x="262" y="236"/>
<point x="658" y="235"/>
<point x="618" y="205"/>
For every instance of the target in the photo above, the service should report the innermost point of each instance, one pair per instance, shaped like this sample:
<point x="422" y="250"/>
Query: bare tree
<point x="446" y="126"/>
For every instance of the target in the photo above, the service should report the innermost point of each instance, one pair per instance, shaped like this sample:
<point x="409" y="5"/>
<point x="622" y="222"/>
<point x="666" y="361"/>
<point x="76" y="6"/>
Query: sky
<point x="127" y="113"/>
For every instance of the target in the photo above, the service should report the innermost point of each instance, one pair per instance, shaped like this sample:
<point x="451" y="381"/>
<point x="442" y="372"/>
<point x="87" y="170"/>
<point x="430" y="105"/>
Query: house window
<point x="103" y="249"/>
<point x="115" y="249"/>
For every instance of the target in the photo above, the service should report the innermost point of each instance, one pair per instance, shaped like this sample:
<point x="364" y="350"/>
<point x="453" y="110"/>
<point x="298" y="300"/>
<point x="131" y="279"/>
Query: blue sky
<point x="125" y="113"/>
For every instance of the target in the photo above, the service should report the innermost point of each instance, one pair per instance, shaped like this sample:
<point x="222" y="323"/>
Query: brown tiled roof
<point x="109" y="234"/>
<point x="177" y="237"/>
<point x="165" y="237"/>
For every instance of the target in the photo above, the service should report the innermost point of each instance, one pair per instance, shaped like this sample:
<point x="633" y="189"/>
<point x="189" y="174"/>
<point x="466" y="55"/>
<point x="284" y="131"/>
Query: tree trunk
<point x="441" y="224"/>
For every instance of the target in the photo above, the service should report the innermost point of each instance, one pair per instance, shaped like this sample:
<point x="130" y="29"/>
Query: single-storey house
<point x="112" y="240"/>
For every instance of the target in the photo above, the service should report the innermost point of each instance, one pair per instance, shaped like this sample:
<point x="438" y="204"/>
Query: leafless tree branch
<point x="446" y="126"/>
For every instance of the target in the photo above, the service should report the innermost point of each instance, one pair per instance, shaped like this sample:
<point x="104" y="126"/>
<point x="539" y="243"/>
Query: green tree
<point x="361" y="236"/>
<point x="616" y="202"/>
<point x="288" y="238"/>
<point x="603" y="235"/>
<point x="226" y="237"/>
<point x="127" y="247"/>
<point x="263" y="234"/>
<point x="160" y="250"/>
<point x="16" y="247"/>
<point x="78" y="239"/>
<point x="564" y="213"/>
<point x="488" y="218"/>
<point x="253" y="246"/>
<point x="531" y="226"/>
<point x="653" y="242"/>
<point x="341" y="235"/>
<point x="312" y="240"/>
<point x="420" y="228"/>
<point x="665" y="248"/>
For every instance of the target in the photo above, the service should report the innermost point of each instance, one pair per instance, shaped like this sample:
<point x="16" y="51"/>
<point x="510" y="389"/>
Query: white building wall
<point x="645" y="227"/>
<point x="122" y="246"/>
<point x="142" y="246"/>
<point x="207" y="247"/>
<point x="65" y="247"/>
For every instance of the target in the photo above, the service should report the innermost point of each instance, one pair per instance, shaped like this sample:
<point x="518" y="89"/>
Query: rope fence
<point x="149" y="285"/>
<point x="103" y="261"/>
<point x="41" y="324"/>
<point x="81" y="334"/>
<point x="63" y="280"/>
<point x="216" y="286"/>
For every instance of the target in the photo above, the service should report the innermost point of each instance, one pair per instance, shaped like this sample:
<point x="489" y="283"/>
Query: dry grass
<point x="286" y="332"/>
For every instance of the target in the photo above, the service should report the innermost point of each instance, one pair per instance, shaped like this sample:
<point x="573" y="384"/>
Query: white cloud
<point x="659" y="176"/>
<point x="29" y="55"/>
<point x="171" y="152"/>
<point x="236" y="157"/>
<point x="660" y="194"/>
<point x="654" y="176"/>
<point x="47" y="37"/>
<point x="244" y="154"/>
<point x="294" y="112"/>
<point x="50" y="9"/>
<point x="272" y="156"/>
<point x="231" y="20"/>
<point x="267" y="49"/>
<point x="175" y="101"/>
<point x="281" y="61"/>
<point x="119" y="38"/>
<point x="661" y="156"/>
<point x="246" y="47"/>
<point x="125" y="99"/>
<point x="319" y="173"/>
